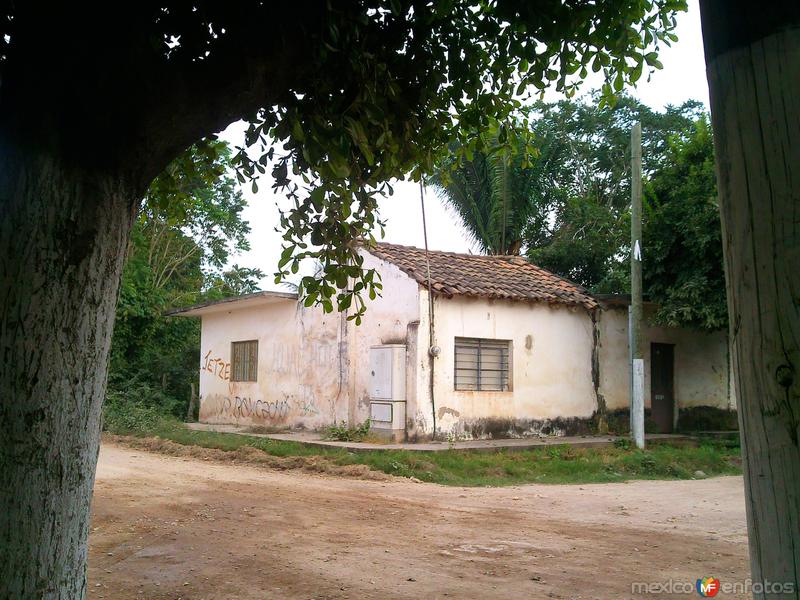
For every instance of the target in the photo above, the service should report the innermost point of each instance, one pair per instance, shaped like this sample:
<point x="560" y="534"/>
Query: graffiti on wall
<point x="217" y="366"/>
<point x="240" y="407"/>
<point x="274" y="411"/>
<point x="313" y="364"/>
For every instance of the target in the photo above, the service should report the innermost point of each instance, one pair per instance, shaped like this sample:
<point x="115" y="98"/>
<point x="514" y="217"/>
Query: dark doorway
<point x="662" y="398"/>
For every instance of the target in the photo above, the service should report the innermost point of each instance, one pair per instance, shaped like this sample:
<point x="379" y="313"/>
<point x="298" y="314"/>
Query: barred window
<point x="482" y="365"/>
<point x="244" y="360"/>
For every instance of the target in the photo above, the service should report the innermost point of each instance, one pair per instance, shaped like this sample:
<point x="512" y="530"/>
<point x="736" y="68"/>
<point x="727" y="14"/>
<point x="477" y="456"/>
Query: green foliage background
<point x="566" y="206"/>
<point x="189" y="224"/>
<point x="684" y="264"/>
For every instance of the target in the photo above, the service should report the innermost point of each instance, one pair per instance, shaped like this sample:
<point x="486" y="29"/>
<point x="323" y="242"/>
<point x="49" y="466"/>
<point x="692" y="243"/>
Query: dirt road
<point x="169" y="528"/>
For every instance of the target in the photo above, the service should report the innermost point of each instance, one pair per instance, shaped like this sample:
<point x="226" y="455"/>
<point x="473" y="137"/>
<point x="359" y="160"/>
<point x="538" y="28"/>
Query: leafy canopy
<point x="396" y="83"/>
<point x="568" y="205"/>
<point x="585" y="146"/>
<point x="365" y="92"/>
<point x="342" y="98"/>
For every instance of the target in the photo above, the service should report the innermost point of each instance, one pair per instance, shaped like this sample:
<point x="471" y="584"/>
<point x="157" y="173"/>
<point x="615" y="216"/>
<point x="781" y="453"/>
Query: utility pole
<point x="637" y="355"/>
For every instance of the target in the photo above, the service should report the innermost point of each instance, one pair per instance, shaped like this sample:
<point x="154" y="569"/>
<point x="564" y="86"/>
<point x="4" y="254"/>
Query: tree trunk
<point x="63" y="230"/>
<point x="753" y="62"/>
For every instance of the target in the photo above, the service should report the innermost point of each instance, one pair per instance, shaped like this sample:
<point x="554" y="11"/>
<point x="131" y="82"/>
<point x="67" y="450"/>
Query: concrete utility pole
<point x="637" y="355"/>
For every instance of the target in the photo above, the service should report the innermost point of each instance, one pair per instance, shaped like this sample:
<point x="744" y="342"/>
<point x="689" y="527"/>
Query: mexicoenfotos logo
<point x="707" y="587"/>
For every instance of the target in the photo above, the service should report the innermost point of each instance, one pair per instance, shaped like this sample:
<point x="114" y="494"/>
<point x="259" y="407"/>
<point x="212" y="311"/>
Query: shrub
<point x="340" y="432"/>
<point x="135" y="406"/>
<point x="623" y="444"/>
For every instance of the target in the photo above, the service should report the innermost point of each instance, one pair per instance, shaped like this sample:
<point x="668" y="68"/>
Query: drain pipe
<point x="433" y="350"/>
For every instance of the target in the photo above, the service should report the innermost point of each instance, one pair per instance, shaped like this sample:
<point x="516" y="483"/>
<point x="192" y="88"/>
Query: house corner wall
<point x="420" y="421"/>
<point x="299" y="381"/>
<point x="391" y="318"/>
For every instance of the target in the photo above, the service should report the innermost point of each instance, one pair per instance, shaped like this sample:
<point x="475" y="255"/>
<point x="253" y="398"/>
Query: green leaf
<point x="636" y="73"/>
<point x="317" y="198"/>
<point x="652" y="59"/>
<point x="286" y="256"/>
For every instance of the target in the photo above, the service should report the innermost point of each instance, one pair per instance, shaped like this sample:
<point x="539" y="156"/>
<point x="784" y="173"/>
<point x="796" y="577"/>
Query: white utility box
<point x="387" y="372"/>
<point x="387" y="389"/>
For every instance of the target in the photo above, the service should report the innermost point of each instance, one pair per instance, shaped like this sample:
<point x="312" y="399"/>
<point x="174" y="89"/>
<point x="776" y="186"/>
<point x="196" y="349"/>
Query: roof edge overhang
<point x="619" y="301"/>
<point x="233" y="303"/>
<point x="451" y="294"/>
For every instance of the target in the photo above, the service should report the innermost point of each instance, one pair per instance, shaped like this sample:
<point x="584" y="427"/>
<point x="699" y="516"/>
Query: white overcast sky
<point x="682" y="78"/>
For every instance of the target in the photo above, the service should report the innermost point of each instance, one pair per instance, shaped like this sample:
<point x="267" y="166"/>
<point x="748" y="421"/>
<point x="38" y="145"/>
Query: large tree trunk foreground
<point x="63" y="231"/>
<point x="753" y="62"/>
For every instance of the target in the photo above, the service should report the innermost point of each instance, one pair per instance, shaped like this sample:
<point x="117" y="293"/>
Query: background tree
<point x="494" y="194"/>
<point x="587" y="235"/>
<point x="189" y="225"/>
<point x="683" y="268"/>
<point x="587" y="244"/>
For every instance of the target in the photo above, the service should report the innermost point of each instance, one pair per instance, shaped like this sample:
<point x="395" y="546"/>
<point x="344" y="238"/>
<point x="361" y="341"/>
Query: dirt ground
<point x="175" y="527"/>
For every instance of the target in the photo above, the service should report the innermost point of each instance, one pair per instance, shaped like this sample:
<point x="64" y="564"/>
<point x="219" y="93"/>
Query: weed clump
<point x="340" y="432"/>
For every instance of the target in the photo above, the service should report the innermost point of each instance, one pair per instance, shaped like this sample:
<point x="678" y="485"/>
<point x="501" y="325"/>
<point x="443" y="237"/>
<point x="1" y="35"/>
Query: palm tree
<point x="500" y="201"/>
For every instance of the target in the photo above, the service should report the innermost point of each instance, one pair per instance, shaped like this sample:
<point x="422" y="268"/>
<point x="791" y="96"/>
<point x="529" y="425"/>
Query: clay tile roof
<point x="509" y="277"/>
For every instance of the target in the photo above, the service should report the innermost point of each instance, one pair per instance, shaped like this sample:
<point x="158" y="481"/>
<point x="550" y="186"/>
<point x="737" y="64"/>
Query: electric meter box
<point x="387" y="371"/>
<point x="387" y="390"/>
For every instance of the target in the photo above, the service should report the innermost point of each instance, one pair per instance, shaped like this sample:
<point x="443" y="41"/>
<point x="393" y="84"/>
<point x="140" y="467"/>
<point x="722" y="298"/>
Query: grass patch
<point x="553" y="464"/>
<point x="562" y="464"/>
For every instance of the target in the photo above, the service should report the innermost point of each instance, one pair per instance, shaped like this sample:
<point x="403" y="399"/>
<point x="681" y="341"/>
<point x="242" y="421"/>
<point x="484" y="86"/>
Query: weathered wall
<point x="390" y="319"/>
<point x="551" y="367"/>
<point x="298" y="367"/>
<point x="300" y="355"/>
<point x="701" y="363"/>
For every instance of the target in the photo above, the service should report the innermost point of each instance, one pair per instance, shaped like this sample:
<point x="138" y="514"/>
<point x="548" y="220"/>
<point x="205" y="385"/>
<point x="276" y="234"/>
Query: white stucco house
<point x="517" y="351"/>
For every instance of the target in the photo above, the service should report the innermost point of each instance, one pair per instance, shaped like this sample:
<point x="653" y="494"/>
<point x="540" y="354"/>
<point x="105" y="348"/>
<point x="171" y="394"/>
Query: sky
<point x="682" y="78"/>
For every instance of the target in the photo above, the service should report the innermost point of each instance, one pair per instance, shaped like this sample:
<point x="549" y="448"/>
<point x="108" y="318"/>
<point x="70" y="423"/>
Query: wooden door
<point x="662" y="395"/>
